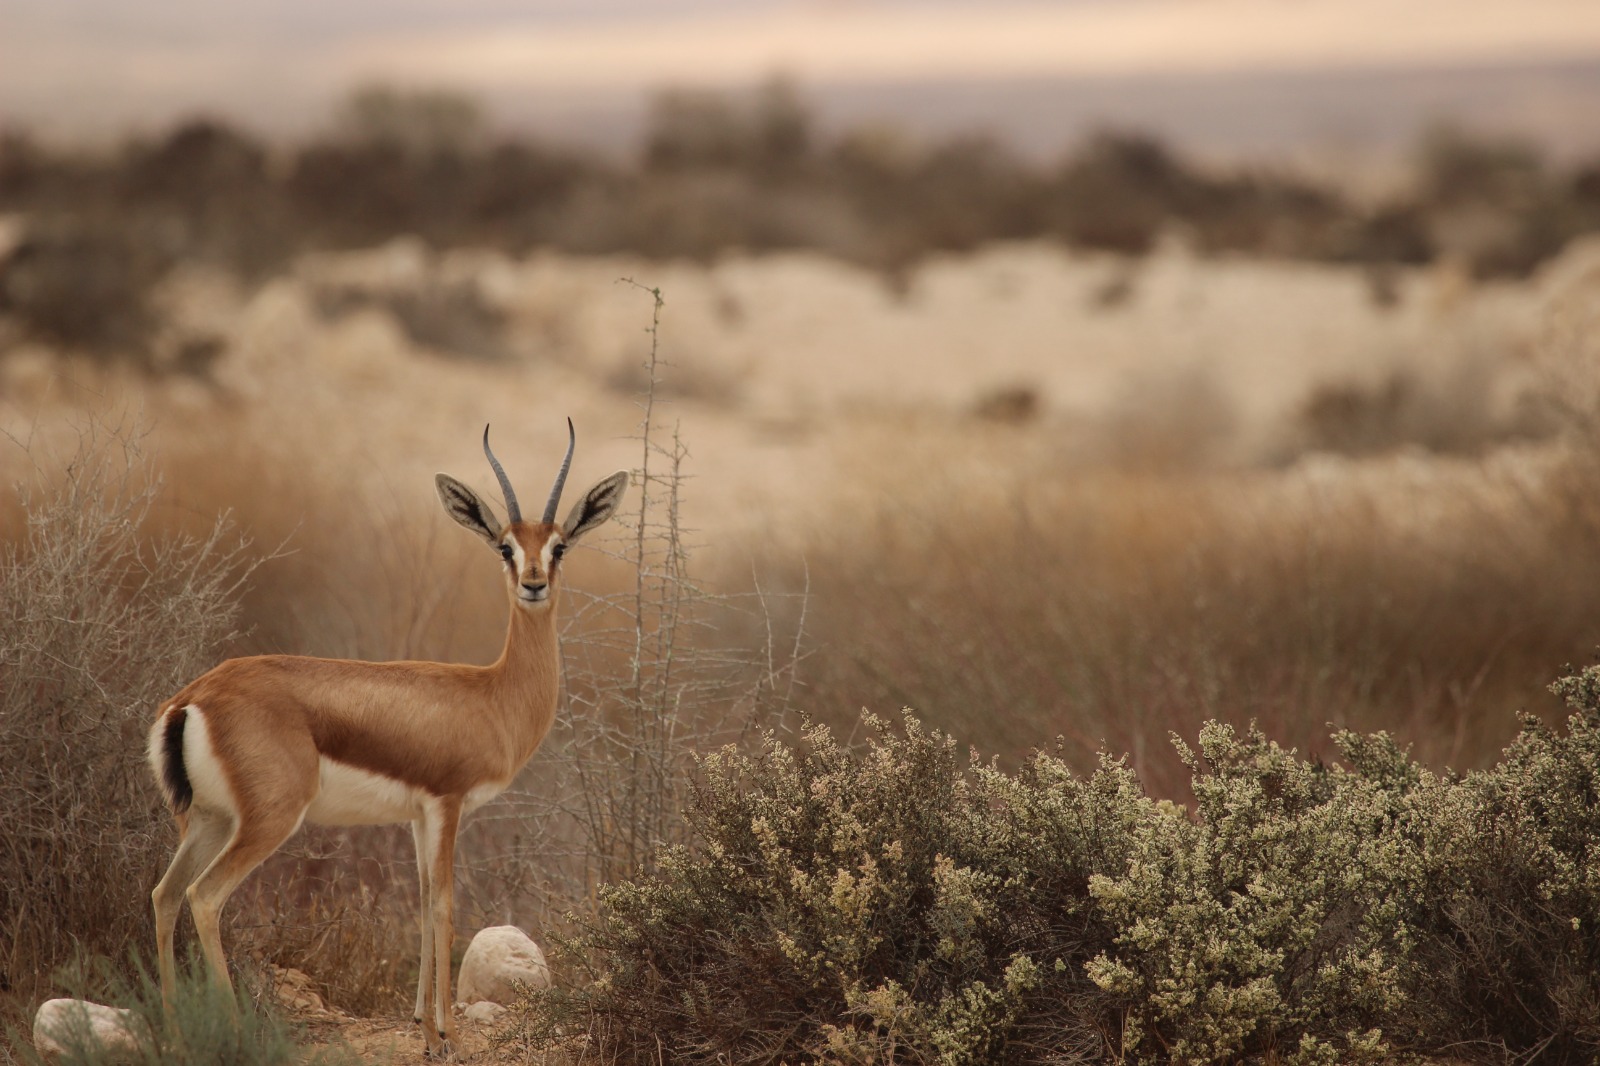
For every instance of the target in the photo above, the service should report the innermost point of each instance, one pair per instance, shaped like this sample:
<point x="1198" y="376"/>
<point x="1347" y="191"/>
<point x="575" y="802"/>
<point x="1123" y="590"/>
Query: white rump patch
<point x="211" y="791"/>
<point x="155" y="751"/>
<point x="347" y="795"/>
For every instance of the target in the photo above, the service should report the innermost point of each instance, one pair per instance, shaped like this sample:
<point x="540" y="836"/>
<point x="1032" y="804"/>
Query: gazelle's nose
<point x="534" y="591"/>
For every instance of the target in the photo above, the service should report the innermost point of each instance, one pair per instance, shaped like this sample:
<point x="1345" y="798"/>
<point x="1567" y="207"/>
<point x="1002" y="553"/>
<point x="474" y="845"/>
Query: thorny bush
<point x="102" y="616"/>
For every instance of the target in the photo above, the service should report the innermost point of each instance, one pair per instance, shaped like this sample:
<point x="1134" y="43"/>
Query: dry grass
<point x="1112" y="609"/>
<point x="366" y="570"/>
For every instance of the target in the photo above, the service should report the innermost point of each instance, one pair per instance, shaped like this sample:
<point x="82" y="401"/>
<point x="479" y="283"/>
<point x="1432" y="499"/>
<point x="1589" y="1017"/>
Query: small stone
<point x="58" y="1025"/>
<point x="483" y="1012"/>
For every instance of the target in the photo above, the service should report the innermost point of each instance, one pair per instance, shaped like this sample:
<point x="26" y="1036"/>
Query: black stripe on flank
<point x="174" y="777"/>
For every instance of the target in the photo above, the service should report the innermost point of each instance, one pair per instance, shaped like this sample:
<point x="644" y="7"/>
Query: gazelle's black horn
<point x="505" y="482"/>
<point x="561" y="478"/>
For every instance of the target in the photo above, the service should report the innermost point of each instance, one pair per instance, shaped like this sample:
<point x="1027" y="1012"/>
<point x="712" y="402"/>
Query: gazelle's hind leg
<point x="252" y="842"/>
<point x="204" y="834"/>
<point x="424" y="919"/>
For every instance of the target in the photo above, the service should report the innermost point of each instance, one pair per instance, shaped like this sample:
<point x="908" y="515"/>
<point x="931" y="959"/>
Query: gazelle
<point x="258" y="745"/>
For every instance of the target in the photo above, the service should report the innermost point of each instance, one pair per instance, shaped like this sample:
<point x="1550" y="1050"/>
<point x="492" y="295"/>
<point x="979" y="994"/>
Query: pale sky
<point x="863" y="42"/>
<point x="89" y="63"/>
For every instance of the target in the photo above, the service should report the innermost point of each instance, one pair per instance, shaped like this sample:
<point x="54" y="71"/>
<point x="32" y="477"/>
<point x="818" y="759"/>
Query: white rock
<point x="483" y="1012"/>
<point x="60" y="1022"/>
<point x="497" y="957"/>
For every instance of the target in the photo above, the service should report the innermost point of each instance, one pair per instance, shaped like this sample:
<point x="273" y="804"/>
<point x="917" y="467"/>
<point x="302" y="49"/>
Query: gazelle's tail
<point x="166" y="758"/>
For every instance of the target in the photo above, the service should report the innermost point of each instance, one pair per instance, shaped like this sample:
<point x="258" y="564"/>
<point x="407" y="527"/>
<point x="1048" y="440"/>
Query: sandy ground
<point x="397" y="1040"/>
<point x="385" y="1040"/>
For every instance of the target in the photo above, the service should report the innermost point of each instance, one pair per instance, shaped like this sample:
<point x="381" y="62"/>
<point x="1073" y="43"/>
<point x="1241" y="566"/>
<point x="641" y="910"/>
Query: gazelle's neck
<point x="527" y="676"/>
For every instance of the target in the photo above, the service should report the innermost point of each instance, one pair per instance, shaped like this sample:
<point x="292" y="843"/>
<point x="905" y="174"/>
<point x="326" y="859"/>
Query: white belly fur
<point x="481" y="794"/>
<point x="348" y="796"/>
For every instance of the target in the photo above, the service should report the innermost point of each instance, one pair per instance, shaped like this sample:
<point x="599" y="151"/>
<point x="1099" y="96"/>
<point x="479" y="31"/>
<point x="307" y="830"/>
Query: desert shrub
<point x="447" y="316"/>
<point x="1506" y="894"/>
<point x="1450" y="414"/>
<point x="1386" y="233"/>
<point x="1322" y="913"/>
<point x="420" y="163"/>
<point x="1266" y="923"/>
<point x="205" y="194"/>
<point x="418" y="122"/>
<point x="697" y="214"/>
<point x="359" y="194"/>
<point x="1495" y="203"/>
<point x="83" y="285"/>
<point x="768" y="136"/>
<point x="1119" y="191"/>
<point x="1267" y="214"/>
<point x="947" y="197"/>
<point x="395" y="163"/>
<point x="101" y="618"/>
<point x="896" y="904"/>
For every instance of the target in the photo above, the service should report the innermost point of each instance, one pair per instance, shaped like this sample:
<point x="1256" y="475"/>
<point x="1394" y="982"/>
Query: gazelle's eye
<point x="557" y="552"/>
<point x="505" y="552"/>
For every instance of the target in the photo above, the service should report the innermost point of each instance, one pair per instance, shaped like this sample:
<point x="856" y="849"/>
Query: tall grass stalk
<point x="651" y="680"/>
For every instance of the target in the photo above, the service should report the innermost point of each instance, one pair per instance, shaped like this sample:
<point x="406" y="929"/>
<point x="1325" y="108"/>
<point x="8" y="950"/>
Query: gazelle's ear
<point x="597" y="505"/>
<point x="467" y="508"/>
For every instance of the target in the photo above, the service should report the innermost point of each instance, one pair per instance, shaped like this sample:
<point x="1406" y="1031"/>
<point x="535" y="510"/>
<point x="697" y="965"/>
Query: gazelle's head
<point x="531" y="551"/>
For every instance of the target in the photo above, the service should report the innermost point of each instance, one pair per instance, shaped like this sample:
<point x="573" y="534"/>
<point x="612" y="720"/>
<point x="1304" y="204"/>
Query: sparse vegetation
<point x="206" y="1026"/>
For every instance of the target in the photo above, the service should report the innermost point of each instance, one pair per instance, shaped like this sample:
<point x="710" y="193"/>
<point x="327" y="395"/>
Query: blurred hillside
<point x="88" y="235"/>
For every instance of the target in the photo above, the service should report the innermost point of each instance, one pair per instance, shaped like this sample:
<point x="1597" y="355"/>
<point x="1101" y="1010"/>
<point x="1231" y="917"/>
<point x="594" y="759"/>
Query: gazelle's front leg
<point x="440" y="824"/>
<point x="424" y="917"/>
